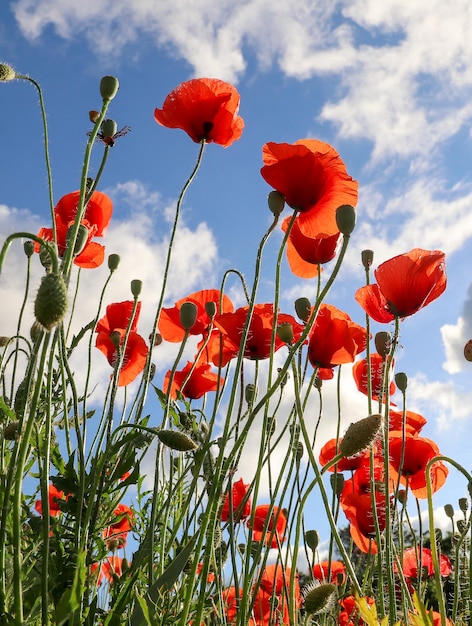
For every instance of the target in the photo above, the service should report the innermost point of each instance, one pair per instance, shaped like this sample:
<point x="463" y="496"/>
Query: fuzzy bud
<point x="11" y="432"/>
<point x="188" y="315"/>
<point x="45" y="257"/>
<point x="360" y="435"/>
<point x="303" y="308"/>
<point x="285" y="332"/>
<point x="367" y="258"/>
<point x="276" y="202"/>
<point x="383" y="343"/>
<point x="28" y="247"/>
<point x="35" y="332"/>
<point x="81" y="240"/>
<point x="22" y="396"/>
<point x="7" y="73"/>
<point x="50" y="305"/>
<point x="312" y="539"/>
<point x="449" y="510"/>
<point x="109" y="86"/>
<point x="320" y="599"/>
<point x="4" y="341"/>
<point x="401" y="380"/>
<point x="108" y="128"/>
<point x="176" y="440"/>
<point x="113" y="262"/>
<point x="468" y="350"/>
<point x="136" y="286"/>
<point x="346" y="219"/>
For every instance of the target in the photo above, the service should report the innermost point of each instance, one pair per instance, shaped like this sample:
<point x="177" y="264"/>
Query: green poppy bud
<point x="35" y="332"/>
<point x="271" y="426"/>
<point x="188" y="315"/>
<point x="250" y="393"/>
<point x="7" y="73"/>
<point x="28" y="247"/>
<point x="108" y="128"/>
<point x="367" y="258"/>
<point x="45" y="257"/>
<point x="276" y="202"/>
<point x="312" y="539"/>
<point x="337" y="483"/>
<point x="136" y="286"/>
<point x="299" y="451"/>
<point x="463" y="504"/>
<point x="449" y="510"/>
<point x="81" y="240"/>
<point x="109" y="86"/>
<point x="22" y="397"/>
<point x="320" y="599"/>
<point x="210" y="308"/>
<point x="176" y="440"/>
<point x="50" y="305"/>
<point x="113" y="262"/>
<point x="303" y="308"/>
<point x="346" y="219"/>
<point x="383" y="343"/>
<point x="401" y="380"/>
<point x="285" y="332"/>
<point x="360" y="435"/>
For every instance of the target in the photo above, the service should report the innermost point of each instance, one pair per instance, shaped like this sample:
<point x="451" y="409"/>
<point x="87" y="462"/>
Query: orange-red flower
<point x="408" y="459"/>
<point x="275" y="585"/>
<point x="415" y="560"/>
<point x="306" y="254"/>
<point x="349" y="616"/>
<point x="359" y="371"/>
<point x="414" y="422"/>
<point x="405" y="284"/>
<point x="111" y="569"/>
<point x="55" y="496"/>
<point x="170" y="326"/>
<point x="270" y="530"/>
<point x="334" y="339"/>
<point x="201" y="381"/>
<point x="330" y="572"/>
<point x="116" y="320"/>
<point x="233" y="508"/>
<point x="206" y="109"/>
<point x="313" y="178"/>
<point x="331" y="449"/>
<point x="116" y="533"/>
<point x="96" y="219"/>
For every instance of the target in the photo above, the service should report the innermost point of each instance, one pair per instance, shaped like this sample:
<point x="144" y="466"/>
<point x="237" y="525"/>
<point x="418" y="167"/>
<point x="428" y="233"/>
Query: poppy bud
<point x="438" y="535"/>
<point x="113" y="262"/>
<point x="188" y="315"/>
<point x="303" y="308"/>
<point x="298" y="451"/>
<point x="35" y="331"/>
<point x="319" y="599"/>
<point x="401" y="380"/>
<point x="383" y="343"/>
<point x="250" y="393"/>
<point x="285" y="332"/>
<point x="45" y="257"/>
<point x="93" y="116"/>
<point x="108" y="128"/>
<point x="312" y="539"/>
<point x="468" y="350"/>
<point x="7" y="73"/>
<point x="449" y="510"/>
<point x="210" y="309"/>
<point x="158" y="339"/>
<point x="318" y="382"/>
<point x="81" y="239"/>
<point x="176" y="440"/>
<point x="360" y="435"/>
<point x="346" y="219"/>
<point x="109" y="86"/>
<point x="50" y="305"/>
<point x="337" y="483"/>
<point x="28" y="247"/>
<point x="115" y="338"/>
<point x="11" y="432"/>
<point x="367" y="258"/>
<point x="402" y="496"/>
<point x="136" y="286"/>
<point x="21" y="397"/>
<point x="462" y="526"/>
<point x="271" y="425"/>
<point x="276" y="202"/>
<point x="463" y="505"/>
<point x="4" y="341"/>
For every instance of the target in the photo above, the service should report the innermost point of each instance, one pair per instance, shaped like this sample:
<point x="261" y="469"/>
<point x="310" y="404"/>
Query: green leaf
<point x="72" y="597"/>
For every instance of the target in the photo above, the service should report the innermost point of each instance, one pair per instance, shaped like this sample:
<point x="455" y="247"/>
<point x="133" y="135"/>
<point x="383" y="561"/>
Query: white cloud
<point x="455" y="336"/>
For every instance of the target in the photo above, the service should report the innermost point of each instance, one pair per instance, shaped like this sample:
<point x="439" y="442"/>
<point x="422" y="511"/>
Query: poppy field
<point x="87" y="538"/>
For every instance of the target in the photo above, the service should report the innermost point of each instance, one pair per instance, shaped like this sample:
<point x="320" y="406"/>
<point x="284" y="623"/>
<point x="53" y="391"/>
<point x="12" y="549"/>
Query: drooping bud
<point x="50" y="305"/>
<point x="463" y="504"/>
<point x="109" y="86"/>
<point x="401" y="380"/>
<point x="449" y="510"/>
<point x="188" y="315"/>
<point x="250" y="393"/>
<point x="176" y="440"/>
<point x="299" y="450"/>
<point x="113" y="262"/>
<point x="303" y="308"/>
<point x="312" y="539"/>
<point x="383" y="343"/>
<point x="7" y="73"/>
<point x="367" y="258"/>
<point x="319" y="599"/>
<point x="28" y="247"/>
<point x="210" y="308"/>
<point x="360" y="435"/>
<point x="108" y="128"/>
<point x="136" y="286"/>
<point x="45" y="257"/>
<point x="276" y="202"/>
<point x="35" y="332"/>
<point x="4" y="341"/>
<point x="346" y="219"/>
<point x="468" y="350"/>
<point x="285" y="332"/>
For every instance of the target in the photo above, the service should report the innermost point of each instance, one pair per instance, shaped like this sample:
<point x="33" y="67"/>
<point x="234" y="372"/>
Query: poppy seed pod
<point x="108" y="128"/>
<point x="303" y="308"/>
<point x="188" y="315"/>
<point x="346" y="219"/>
<point x="176" y="440"/>
<point x="285" y="332"/>
<point x="210" y="309"/>
<point x="7" y="73"/>
<point x="136" y="286"/>
<point x="319" y="599"/>
<point x="401" y="380"/>
<point x="109" y="86"/>
<point x="50" y="305"/>
<point x="383" y="343"/>
<point x="113" y="262"/>
<point x="367" y="258"/>
<point x="449" y="510"/>
<point x="312" y="539"/>
<point x="276" y="202"/>
<point x="468" y="350"/>
<point x="360" y="435"/>
<point x="28" y="247"/>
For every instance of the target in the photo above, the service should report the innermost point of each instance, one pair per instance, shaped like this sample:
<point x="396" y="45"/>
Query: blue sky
<point x="388" y="84"/>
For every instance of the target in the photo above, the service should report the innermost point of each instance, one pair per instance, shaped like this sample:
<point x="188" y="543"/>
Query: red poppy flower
<point x="413" y="559"/>
<point x="305" y="254"/>
<point x="357" y="508"/>
<point x="409" y="457"/>
<point x="116" y="320"/>
<point x="334" y="339"/>
<point x="359" y="371"/>
<point x="55" y="496"/>
<point x="414" y="422"/>
<point x="200" y="382"/>
<point x="239" y="511"/>
<point x="330" y="572"/>
<point x="271" y="531"/>
<point x="206" y="109"/>
<point x="170" y="326"/>
<point x="259" y="339"/>
<point x="110" y="569"/>
<point x="349" y="616"/>
<point x="405" y="284"/>
<point x="231" y="597"/>
<point x="96" y="218"/>
<point x="331" y="449"/>
<point x="313" y="178"/>
<point x="115" y="534"/>
<point x="275" y="583"/>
